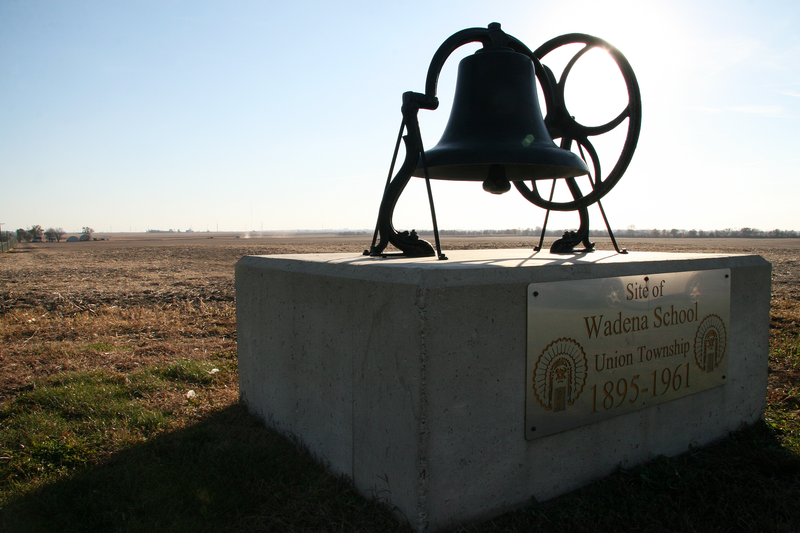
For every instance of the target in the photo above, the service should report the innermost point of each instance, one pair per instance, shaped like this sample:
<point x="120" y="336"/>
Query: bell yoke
<point x="496" y="135"/>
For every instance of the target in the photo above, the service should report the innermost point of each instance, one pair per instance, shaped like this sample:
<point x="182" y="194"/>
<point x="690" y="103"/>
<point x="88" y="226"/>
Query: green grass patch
<point x="77" y="418"/>
<point x="101" y="347"/>
<point x="193" y="372"/>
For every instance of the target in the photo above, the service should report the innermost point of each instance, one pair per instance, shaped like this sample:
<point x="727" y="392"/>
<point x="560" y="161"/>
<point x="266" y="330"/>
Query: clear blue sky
<point x="135" y="115"/>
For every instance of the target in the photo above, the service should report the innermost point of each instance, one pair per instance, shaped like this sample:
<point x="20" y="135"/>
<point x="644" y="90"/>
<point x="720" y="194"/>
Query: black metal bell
<point x="495" y="133"/>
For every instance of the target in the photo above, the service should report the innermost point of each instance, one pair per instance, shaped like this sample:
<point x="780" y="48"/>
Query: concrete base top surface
<point x="506" y="257"/>
<point x="502" y="265"/>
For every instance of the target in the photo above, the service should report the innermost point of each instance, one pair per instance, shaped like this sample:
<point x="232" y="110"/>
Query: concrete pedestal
<point x="409" y="375"/>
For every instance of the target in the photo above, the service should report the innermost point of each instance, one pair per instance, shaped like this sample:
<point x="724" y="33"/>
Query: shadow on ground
<point x="225" y="473"/>
<point x="748" y="482"/>
<point x="228" y="472"/>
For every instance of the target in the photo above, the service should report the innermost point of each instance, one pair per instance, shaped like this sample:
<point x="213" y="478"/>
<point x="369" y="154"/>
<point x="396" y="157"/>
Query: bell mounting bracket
<point x="560" y="125"/>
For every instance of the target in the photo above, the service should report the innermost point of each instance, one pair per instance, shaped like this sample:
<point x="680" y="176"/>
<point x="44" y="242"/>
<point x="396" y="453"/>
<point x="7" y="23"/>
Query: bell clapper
<point x="497" y="183"/>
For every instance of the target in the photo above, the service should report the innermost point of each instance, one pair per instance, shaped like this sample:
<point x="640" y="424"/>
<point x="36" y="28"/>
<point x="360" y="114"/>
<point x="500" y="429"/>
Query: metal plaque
<point x="600" y="348"/>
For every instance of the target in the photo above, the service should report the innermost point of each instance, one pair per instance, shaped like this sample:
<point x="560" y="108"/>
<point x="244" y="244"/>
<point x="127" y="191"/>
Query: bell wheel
<point x="594" y="109"/>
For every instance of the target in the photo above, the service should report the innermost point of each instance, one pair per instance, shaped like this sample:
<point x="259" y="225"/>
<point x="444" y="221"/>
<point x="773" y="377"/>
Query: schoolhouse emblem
<point x="559" y="374"/>
<point x="709" y="343"/>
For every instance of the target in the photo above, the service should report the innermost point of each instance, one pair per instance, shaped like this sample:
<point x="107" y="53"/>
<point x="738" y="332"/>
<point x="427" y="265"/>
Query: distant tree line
<point x="37" y="234"/>
<point x="632" y="232"/>
<point x="694" y="233"/>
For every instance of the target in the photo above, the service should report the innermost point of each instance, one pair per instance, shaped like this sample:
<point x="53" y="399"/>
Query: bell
<point x="495" y="133"/>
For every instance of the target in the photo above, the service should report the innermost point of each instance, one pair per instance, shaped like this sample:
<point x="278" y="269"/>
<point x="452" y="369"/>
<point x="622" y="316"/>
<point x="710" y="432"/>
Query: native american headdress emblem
<point x="560" y="374"/>
<point x="709" y="343"/>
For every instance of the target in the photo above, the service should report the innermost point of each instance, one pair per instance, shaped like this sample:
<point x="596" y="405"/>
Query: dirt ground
<point x="171" y="296"/>
<point x="159" y="268"/>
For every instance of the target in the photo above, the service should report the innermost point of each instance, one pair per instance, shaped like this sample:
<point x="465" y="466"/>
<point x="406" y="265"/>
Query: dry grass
<point x="40" y="342"/>
<point x="153" y="318"/>
<point x="168" y="297"/>
<point x="119" y="305"/>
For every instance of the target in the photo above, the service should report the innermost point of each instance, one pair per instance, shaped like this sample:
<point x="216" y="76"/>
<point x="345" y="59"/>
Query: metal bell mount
<point x="496" y="135"/>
